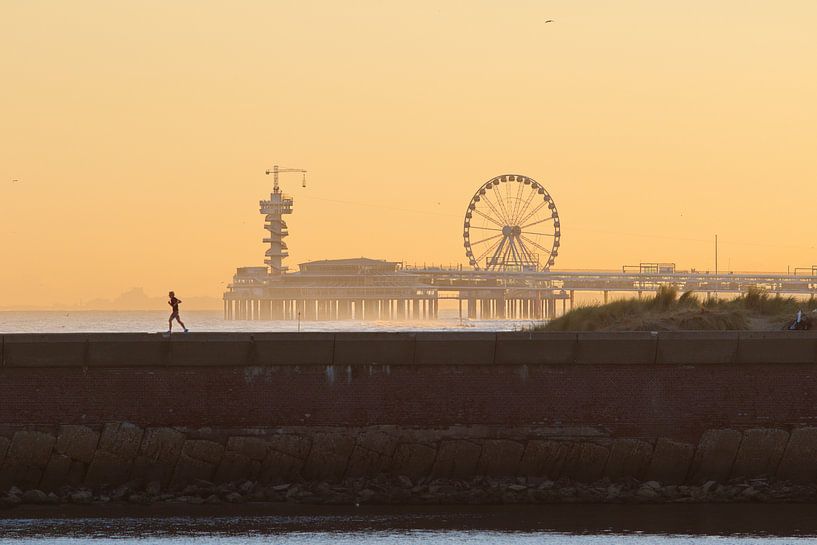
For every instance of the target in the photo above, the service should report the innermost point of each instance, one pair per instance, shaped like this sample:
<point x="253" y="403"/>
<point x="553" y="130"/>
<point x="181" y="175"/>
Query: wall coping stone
<point x="21" y="350"/>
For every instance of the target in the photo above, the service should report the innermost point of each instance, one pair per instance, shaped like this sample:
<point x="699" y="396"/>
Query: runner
<point x="174" y="302"/>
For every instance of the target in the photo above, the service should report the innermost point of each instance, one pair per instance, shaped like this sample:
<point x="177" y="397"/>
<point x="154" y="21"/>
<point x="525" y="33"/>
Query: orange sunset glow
<point x="134" y="135"/>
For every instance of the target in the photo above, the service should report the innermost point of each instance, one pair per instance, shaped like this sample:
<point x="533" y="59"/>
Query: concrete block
<point x="372" y="454"/>
<point x="535" y="348"/>
<point x="799" y="462"/>
<point x="544" y="458"/>
<point x="22" y="476"/>
<point x="279" y="466"/>
<point x="455" y="348"/>
<point x="189" y="470"/>
<point x="77" y="442"/>
<point x="374" y="349"/>
<point x="629" y="458"/>
<point x="4" y="447"/>
<point x="30" y="448"/>
<point x="121" y="438"/>
<point x="697" y="347"/>
<point x="237" y="467"/>
<point x="760" y="452"/>
<point x="585" y="462"/>
<point x="292" y="348"/>
<point x="45" y="350"/>
<point x="328" y="457"/>
<point x="108" y="469"/>
<point x="768" y="347"/>
<point x="253" y="448"/>
<point x="201" y="449"/>
<point x="158" y="454"/>
<point x="210" y="349"/>
<point x="456" y="459"/>
<point x="162" y="444"/>
<point x="296" y="446"/>
<point x="413" y="460"/>
<point x="670" y="461"/>
<point x="715" y="455"/>
<point x="500" y="458"/>
<point x="127" y="350"/>
<point x="27" y="455"/>
<point x="56" y="472"/>
<point x="601" y="348"/>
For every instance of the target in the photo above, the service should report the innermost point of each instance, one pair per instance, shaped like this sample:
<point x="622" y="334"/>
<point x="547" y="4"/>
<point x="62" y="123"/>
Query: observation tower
<point x="274" y="210"/>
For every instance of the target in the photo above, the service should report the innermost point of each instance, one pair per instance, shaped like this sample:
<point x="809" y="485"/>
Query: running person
<point x="174" y="303"/>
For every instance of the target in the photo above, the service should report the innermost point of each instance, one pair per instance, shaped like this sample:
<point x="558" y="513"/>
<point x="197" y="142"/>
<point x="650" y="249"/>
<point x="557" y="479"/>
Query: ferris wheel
<point x="511" y="224"/>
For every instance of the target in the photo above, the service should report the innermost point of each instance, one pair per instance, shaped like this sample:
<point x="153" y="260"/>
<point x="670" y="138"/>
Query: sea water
<point x="154" y="321"/>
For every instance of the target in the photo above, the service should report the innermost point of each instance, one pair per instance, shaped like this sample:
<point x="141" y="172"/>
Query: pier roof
<point x="358" y="265"/>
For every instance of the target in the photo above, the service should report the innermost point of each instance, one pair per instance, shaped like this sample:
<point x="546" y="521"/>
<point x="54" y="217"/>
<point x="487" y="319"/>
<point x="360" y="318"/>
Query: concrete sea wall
<point x="97" y="411"/>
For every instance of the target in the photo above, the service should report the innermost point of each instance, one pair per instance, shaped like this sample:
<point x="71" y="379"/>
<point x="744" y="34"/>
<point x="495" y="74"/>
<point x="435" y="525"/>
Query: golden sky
<point x="140" y="131"/>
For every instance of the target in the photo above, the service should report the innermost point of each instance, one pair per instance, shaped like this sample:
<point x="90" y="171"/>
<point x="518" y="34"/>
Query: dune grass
<point x="669" y="311"/>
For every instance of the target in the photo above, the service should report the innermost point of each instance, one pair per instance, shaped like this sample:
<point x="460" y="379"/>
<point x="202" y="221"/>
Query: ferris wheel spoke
<point x="507" y="202"/>
<point x="517" y="200"/>
<point x="525" y="207"/>
<point x="492" y="207"/>
<point x="487" y="217"/>
<point x="501" y="250"/>
<point x="484" y="228"/>
<point x="541" y="234"/>
<point x="526" y="253"/>
<point x="485" y="240"/>
<point x="514" y="253"/>
<point x="534" y="211"/>
<point x="535" y="244"/>
<point x="489" y="250"/>
<point x="533" y="258"/>
<point x="504" y="251"/>
<point x="504" y="212"/>
<point x="536" y="222"/>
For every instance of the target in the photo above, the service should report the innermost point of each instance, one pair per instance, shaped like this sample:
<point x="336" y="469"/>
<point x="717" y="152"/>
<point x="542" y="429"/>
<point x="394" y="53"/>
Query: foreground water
<point x="154" y="321"/>
<point x="557" y="524"/>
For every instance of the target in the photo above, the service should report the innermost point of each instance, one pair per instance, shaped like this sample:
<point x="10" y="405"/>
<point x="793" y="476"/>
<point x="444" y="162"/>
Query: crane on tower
<point x="277" y="170"/>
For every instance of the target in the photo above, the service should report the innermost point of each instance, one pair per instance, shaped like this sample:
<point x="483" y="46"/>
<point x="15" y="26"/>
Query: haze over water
<point x="203" y="320"/>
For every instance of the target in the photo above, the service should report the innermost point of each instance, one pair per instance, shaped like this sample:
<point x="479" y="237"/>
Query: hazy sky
<point x="140" y="131"/>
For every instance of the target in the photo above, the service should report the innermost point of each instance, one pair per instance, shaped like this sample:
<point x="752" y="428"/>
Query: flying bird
<point x="15" y="180"/>
<point x="549" y="21"/>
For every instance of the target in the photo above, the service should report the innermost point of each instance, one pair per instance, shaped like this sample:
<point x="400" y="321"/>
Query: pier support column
<point x="500" y="308"/>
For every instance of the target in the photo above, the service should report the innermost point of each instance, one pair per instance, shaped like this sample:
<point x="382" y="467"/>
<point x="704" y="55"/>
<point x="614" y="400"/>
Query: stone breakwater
<point x="414" y="418"/>
<point x="124" y="462"/>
